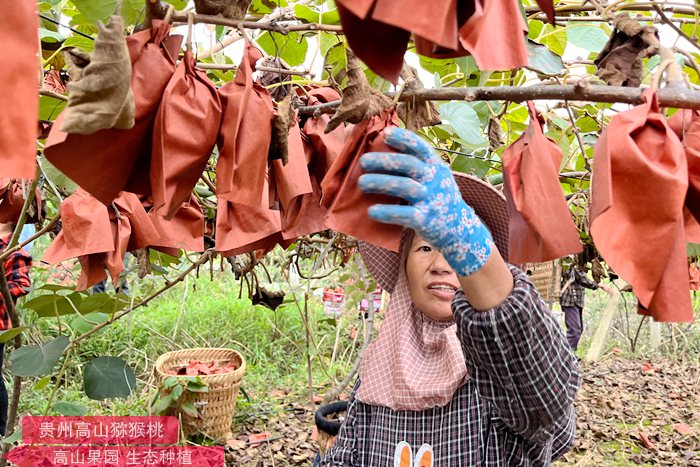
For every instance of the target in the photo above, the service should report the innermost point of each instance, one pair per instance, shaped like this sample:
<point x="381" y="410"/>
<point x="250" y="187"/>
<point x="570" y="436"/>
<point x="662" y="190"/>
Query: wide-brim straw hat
<point x="488" y="203"/>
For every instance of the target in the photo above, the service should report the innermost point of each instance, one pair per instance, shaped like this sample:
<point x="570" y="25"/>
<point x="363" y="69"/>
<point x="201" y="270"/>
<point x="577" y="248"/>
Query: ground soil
<point x="630" y="412"/>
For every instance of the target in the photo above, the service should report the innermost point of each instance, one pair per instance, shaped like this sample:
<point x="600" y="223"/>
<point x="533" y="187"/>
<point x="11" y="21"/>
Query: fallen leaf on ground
<point x="257" y="438"/>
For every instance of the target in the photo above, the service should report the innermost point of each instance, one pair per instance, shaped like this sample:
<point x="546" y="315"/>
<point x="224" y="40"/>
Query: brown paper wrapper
<point x="638" y="189"/>
<point x="185" y="132"/>
<point x="347" y="205"/>
<point x="540" y="224"/>
<point x="19" y="25"/>
<point x="109" y="161"/>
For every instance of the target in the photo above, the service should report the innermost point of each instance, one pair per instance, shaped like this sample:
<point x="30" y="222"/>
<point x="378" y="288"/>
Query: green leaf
<point x="193" y="386"/>
<point x="94" y="11"/>
<point x="310" y="15"/>
<point x="464" y="120"/>
<point x="291" y="47"/>
<point x="42" y="383"/>
<point x="79" y="42"/>
<point x="162" y="404"/>
<point x="542" y="60"/>
<point x="50" y="107"/>
<point x="190" y="409"/>
<point x="8" y="334"/>
<point x="326" y="41"/>
<point x="587" y="36"/>
<point x="84" y="323"/>
<point x="169" y="382"/>
<point x="693" y="249"/>
<point x="336" y="63"/>
<point x="32" y="360"/>
<point x="587" y="125"/>
<point x="441" y="66"/>
<point x="50" y="36"/>
<point x="555" y="39"/>
<point x="99" y="302"/>
<point x="69" y="409"/>
<point x="50" y="305"/>
<point x="107" y="377"/>
<point x="55" y="287"/>
<point x="177" y="391"/>
<point x="263" y="7"/>
<point x="57" y="178"/>
<point x="377" y="82"/>
<point x="14" y="437"/>
<point x="470" y="165"/>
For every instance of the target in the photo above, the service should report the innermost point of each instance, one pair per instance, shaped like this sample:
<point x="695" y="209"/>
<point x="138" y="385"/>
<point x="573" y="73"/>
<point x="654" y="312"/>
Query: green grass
<point x="202" y="313"/>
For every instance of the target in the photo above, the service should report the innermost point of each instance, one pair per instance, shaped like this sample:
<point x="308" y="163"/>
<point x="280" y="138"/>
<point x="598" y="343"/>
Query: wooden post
<point x="601" y="333"/>
<point x="654" y="335"/>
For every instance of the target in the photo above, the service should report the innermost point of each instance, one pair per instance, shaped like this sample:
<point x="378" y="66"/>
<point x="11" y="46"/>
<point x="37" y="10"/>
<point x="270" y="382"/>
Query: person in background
<point x="574" y="280"/>
<point x="17" y="268"/>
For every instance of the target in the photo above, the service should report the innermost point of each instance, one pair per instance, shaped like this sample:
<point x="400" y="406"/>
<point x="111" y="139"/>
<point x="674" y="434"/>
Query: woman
<point x="469" y="367"/>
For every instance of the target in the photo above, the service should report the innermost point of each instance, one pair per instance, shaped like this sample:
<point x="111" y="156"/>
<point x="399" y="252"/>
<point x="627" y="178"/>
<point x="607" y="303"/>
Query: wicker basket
<point x="546" y="279"/>
<point x="218" y="404"/>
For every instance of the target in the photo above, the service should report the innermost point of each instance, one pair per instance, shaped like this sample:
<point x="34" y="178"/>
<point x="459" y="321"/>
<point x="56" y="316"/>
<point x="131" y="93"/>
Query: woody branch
<point x="581" y="91"/>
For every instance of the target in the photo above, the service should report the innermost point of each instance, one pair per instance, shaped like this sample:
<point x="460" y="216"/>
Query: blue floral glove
<point x="436" y="210"/>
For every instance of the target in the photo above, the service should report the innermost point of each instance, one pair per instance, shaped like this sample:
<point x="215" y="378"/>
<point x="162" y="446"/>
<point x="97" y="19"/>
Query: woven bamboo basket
<point x="217" y="405"/>
<point x="546" y="278"/>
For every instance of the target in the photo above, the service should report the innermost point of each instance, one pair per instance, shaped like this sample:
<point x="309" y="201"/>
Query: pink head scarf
<point x="415" y="363"/>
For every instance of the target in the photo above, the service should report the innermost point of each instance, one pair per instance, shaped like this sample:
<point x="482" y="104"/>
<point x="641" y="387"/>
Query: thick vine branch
<point x="170" y="284"/>
<point x="581" y="91"/>
<point x="683" y="10"/>
<point x="282" y="28"/>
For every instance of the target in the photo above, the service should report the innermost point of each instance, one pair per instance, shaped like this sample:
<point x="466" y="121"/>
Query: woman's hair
<point x="404" y="248"/>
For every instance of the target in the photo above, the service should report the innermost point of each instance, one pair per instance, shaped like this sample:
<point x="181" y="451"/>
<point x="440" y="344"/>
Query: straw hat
<point x="489" y="204"/>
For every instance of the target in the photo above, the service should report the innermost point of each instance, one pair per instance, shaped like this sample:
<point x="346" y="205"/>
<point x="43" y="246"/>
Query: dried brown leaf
<point x="282" y="121"/>
<point x="620" y="61"/>
<point x="416" y="115"/>
<point x="232" y="9"/>
<point x="494" y="132"/>
<point x="100" y="97"/>
<point x="359" y="100"/>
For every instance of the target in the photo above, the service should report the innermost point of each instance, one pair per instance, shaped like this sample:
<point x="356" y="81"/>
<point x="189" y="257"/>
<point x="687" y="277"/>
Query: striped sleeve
<point x="519" y="359"/>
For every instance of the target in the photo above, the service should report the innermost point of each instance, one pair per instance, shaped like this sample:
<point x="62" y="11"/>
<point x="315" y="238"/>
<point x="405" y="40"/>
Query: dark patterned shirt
<point x="17" y="273"/>
<point x="516" y="409"/>
<point x="573" y="281"/>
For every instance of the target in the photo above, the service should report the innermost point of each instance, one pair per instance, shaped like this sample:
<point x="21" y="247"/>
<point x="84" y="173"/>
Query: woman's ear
<point x="424" y="457"/>
<point x="403" y="457"/>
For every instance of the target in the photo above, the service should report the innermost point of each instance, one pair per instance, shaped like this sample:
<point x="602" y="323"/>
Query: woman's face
<point x="432" y="282"/>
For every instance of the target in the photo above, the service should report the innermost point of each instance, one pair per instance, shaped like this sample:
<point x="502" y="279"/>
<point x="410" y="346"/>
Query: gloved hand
<point x="436" y="210"/>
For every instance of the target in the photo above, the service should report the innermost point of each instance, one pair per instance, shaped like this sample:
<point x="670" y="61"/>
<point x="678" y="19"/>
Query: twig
<point x="181" y="17"/>
<point x="230" y="66"/>
<point x="581" y="91"/>
<point x="8" y="251"/>
<point x="600" y="19"/>
<point x="58" y="23"/>
<point x="689" y="58"/>
<point x="170" y="284"/>
<point x="578" y="135"/>
<point x="25" y="208"/>
<point x="234" y="36"/>
<point x="693" y="41"/>
<point x="55" y="95"/>
<point x="684" y="10"/>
